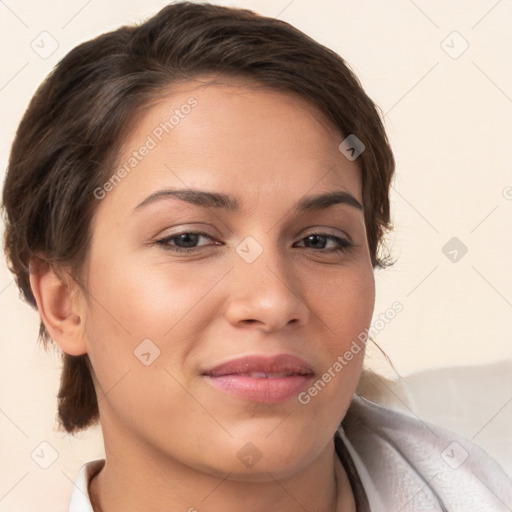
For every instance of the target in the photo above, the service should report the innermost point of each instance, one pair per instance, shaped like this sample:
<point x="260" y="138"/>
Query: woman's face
<point x="240" y="263"/>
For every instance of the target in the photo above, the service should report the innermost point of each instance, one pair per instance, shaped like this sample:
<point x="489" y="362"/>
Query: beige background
<point x="449" y="120"/>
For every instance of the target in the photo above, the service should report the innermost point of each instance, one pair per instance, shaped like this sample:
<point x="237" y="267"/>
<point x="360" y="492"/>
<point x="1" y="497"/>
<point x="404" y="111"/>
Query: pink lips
<point x="262" y="378"/>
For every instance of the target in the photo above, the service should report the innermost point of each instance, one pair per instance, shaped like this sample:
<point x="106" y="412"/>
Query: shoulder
<point x="410" y="465"/>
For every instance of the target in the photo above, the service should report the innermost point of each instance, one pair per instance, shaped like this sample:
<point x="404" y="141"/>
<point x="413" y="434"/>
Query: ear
<point x="57" y="301"/>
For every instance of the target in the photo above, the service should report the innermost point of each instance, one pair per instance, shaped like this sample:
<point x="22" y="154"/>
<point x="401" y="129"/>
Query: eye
<point x="324" y="242"/>
<point x="185" y="242"/>
<point x="189" y="241"/>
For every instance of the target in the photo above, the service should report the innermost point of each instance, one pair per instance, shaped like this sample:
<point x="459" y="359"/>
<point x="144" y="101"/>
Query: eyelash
<point x="343" y="244"/>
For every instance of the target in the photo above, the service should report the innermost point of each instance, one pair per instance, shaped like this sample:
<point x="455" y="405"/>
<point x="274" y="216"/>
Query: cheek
<point x="344" y="302"/>
<point x="136" y="329"/>
<point x="130" y="302"/>
<point x="345" y="308"/>
<point x="147" y="300"/>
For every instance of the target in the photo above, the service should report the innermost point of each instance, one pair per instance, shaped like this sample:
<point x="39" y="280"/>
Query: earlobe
<point x="58" y="308"/>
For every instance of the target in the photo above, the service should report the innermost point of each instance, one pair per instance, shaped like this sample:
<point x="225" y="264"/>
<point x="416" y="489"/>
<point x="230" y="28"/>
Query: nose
<point x="265" y="294"/>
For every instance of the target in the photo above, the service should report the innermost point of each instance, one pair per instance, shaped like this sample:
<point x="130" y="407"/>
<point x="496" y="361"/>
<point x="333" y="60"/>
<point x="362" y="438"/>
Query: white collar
<point x="80" y="499"/>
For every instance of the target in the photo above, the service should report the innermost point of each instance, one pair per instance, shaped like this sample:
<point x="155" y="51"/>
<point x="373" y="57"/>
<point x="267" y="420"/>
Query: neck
<point x="142" y="480"/>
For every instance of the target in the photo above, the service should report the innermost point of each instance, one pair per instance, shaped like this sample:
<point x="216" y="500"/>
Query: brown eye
<point x="186" y="241"/>
<point x="320" y="242"/>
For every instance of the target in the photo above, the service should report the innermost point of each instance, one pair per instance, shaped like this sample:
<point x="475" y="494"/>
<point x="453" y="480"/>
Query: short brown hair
<point x="68" y="139"/>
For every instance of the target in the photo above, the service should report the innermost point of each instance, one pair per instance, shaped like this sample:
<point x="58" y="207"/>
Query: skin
<point x="172" y="439"/>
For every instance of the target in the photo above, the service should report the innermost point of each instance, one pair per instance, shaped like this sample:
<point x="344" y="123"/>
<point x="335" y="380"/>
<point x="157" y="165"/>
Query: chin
<point x="261" y="463"/>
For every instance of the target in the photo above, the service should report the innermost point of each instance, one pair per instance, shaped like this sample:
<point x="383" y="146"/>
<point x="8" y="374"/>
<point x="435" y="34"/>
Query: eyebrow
<point x="321" y="201"/>
<point x="229" y="203"/>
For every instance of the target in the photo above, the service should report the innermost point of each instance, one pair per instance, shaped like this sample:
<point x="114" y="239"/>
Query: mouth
<point x="261" y="378"/>
<point x="265" y="375"/>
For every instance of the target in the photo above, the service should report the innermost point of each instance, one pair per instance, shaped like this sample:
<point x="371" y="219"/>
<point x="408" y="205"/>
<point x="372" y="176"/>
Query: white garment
<point x="408" y="465"/>
<point x="80" y="501"/>
<point x="396" y="463"/>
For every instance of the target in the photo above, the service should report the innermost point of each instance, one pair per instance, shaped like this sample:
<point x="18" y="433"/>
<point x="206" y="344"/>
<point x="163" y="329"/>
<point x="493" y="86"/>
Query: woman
<point x="196" y="206"/>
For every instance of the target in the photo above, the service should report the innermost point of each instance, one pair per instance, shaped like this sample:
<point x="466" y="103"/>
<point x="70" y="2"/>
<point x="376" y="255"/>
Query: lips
<point x="265" y="379"/>
<point x="269" y="375"/>
<point x="282" y="365"/>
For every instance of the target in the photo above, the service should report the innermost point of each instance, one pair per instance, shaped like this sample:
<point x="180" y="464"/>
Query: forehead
<point x="238" y="139"/>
